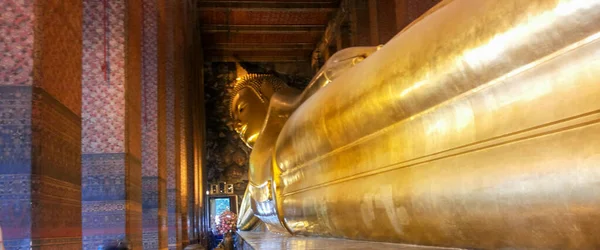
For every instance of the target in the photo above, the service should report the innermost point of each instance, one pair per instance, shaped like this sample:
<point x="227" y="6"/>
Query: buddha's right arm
<point x="246" y="220"/>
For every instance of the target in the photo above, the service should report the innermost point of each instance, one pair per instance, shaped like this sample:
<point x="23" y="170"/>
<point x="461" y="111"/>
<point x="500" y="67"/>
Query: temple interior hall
<point x="299" y="124"/>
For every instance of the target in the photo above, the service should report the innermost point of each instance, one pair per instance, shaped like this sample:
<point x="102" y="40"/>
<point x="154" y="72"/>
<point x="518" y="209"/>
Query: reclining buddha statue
<point x="478" y="126"/>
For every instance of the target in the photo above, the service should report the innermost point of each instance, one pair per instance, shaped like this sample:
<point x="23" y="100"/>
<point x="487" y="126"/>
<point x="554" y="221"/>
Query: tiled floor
<point x="268" y="241"/>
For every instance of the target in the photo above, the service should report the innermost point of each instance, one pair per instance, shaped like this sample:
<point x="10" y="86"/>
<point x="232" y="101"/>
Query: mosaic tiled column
<point x="183" y="156"/>
<point x="111" y="168"/>
<point x="186" y="169"/>
<point x="191" y="60"/>
<point x="197" y="133"/>
<point x="166" y="117"/>
<point x="172" y="158"/>
<point x="154" y="209"/>
<point x="166" y="67"/>
<point x="181" y="117"/>
<point x="40" y="77"/>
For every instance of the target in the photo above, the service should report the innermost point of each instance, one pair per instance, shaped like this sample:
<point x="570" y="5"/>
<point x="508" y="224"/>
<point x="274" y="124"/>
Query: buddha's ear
<point x="233" y="105"/>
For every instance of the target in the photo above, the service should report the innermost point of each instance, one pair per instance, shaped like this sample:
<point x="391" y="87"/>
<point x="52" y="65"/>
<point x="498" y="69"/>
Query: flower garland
<point x="226" y="222"/>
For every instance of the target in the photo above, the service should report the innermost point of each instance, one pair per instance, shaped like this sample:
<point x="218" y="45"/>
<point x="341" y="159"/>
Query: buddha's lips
<point x="243" y="131"/>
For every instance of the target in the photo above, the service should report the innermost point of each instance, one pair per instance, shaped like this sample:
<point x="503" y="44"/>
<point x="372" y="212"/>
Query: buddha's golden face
<point x="249" y="114"/>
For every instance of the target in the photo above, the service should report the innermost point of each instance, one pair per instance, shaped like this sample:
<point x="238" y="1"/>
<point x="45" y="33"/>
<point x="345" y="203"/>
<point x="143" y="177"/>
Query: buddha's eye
<point x="241" y="107"/>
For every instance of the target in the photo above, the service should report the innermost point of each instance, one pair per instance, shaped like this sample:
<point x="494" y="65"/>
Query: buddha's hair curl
<point x="256" y="82"/>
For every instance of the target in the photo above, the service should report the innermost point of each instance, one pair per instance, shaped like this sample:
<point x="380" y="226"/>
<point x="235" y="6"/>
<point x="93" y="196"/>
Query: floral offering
<point x="226" y="222"/>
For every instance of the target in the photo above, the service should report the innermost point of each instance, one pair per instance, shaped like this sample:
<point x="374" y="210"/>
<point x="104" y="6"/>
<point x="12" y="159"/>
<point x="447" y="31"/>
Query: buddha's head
<point x="250" y="102"/>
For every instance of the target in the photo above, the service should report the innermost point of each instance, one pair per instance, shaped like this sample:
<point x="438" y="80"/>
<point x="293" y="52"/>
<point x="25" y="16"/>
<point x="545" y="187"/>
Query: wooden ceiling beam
<point x="292" y="38"/>
<point x="268" y="5"/>
<point x="219" y="28"/>
<point x="273" y="53"/>
<point x="229" y="58"/>
<point x="260" y="46"/>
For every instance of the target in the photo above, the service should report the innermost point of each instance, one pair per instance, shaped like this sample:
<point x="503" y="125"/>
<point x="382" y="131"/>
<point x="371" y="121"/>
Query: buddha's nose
<point x="239" y="127"/>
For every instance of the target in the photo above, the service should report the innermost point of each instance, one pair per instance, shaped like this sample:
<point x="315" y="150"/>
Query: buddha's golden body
<point x="478" y="126"/>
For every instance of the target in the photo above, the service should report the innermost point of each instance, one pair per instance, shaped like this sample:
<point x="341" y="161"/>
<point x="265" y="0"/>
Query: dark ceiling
<point x="264" y="30"/>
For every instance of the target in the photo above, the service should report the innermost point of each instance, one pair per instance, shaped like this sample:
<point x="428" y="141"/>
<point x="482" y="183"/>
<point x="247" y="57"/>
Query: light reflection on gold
<point x="463" y="117"/>
<point x="438" y="127"/>
<point x="412" y="87"/>
<point x="566" y="8"/>
<point x="252" y="138"/>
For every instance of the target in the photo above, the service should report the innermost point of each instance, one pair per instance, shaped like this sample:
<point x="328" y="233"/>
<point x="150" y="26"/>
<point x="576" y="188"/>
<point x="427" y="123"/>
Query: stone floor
<point x="268" y="241"/>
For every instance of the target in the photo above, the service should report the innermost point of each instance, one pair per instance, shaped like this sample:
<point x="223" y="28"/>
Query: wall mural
<point x="226" y="154"/>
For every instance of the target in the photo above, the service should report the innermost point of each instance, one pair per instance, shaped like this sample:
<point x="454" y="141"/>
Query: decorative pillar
<point x="333" y="33"/>
<point x="199" y="142"/>
<point x="40" y="138"/>
<point x="181" y="118"/>
<point x="172" y="217"/>
<point x="386" y="19"/>
<point x="195" y="106"/>
<point x="154" y="206"/>
<point x="342" y="39"/>
<point x="374" y="21"/>
<point x="190" y="194"/>
<point x="111" y="144"/>
<point x="409" y="10"/>
<point x="360" y="20"/>
<point x="166" y="116"/>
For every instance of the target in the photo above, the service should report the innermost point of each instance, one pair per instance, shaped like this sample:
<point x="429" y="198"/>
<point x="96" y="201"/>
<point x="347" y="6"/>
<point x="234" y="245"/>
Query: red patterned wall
<point x="16" y="42"/>
<point x="111" y="186"/>
<point x="153" y="181"/>
<point x="71" y="114"/>
<point x="40" y="181"/>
